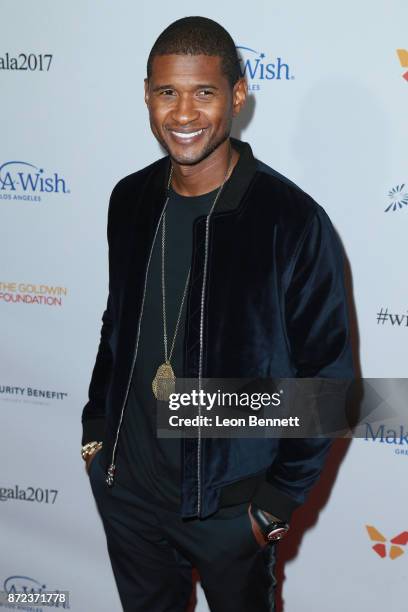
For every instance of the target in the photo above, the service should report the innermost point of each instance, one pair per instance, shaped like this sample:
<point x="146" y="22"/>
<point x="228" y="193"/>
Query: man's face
<point x="191" y="105"/>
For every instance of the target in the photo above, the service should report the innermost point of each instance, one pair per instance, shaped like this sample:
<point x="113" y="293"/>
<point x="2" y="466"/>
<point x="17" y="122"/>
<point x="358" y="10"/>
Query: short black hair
<point x="198" y="36"/>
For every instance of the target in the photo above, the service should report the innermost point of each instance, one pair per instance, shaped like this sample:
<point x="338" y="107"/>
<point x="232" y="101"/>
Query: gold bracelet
<point x="89" y="448"/>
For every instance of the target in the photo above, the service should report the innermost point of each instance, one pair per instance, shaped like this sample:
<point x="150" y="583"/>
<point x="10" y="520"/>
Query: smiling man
<point x="218" y="267"/>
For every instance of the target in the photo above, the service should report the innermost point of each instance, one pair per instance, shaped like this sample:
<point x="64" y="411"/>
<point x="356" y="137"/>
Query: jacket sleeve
<point x="317" y="329"/>
<point x="93" y="414"/>
<point x="94" y="411"/>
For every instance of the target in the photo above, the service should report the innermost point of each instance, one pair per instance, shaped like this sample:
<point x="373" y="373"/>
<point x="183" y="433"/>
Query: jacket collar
<point x="242" y="175"/>
<point x="234" y="188"/>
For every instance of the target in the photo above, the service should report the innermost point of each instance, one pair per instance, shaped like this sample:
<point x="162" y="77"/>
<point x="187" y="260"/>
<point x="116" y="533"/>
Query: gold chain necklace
<point x="164" y="382"/>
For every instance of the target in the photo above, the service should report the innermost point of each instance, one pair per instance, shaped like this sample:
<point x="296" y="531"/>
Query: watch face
<point x="277" y="534"/>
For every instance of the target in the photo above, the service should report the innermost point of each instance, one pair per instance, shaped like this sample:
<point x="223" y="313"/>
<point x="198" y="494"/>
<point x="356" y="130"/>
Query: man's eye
<point x="205" y="92"/>
<point x="167" y="92"/>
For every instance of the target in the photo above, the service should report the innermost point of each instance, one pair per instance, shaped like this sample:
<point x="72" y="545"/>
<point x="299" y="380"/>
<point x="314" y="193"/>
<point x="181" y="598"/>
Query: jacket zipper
<point x="112" y="467"/>
<point x="200" y="361"/>
<point x="200" y="366"/>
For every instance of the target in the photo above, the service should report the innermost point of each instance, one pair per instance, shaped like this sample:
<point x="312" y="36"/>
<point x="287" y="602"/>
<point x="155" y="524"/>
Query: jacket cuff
<point x="93" y="429"/>
<point x="272" y="500"/>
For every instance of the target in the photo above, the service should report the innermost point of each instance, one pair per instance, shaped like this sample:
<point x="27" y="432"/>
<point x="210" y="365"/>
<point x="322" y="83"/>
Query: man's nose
<point x="185" y="110"/>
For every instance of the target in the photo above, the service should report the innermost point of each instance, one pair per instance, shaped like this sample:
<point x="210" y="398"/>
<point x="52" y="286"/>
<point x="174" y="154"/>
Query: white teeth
<point x="187" y="135"/>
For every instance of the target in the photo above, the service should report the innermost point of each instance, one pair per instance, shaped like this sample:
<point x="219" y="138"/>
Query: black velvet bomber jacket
<point x="274" y="306"/>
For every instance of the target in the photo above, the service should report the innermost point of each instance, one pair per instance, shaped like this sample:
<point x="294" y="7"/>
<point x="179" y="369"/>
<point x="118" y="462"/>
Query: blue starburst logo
<point x="399" y="198"/>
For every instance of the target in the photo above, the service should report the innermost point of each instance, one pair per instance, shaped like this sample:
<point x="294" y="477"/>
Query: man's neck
<point x="207" y="175"/>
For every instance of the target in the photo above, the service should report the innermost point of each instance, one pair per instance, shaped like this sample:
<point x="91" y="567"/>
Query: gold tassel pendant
<point x="164" y="383"/>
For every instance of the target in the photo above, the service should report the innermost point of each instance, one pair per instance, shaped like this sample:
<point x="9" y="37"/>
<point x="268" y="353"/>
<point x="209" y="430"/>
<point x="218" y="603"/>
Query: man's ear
<point x="146" y="91"/>
<point x="239" y="96"/>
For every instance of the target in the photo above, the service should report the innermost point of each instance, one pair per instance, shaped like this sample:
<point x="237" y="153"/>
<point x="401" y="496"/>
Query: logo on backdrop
<point x="29" y="394"/>
<point x="258" y="69"/>
<point x="395" y="549"/>
<point x="30" y="494"/>
<point x="30" y="293"/>
<point x="384" y="316"/>
<point x="26" y="584"/>
<point x="26" y="61"/>
<point x="397" y="439"/>
<point x="398" y="198"/>
<point x="21" y="180"/>
<point x="403" y="59"/>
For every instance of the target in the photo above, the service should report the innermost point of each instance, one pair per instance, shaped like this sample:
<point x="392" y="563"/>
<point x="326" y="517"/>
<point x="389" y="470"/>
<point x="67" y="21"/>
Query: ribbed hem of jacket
<point x="258" y="490"/>
<point x="93" y="429"/>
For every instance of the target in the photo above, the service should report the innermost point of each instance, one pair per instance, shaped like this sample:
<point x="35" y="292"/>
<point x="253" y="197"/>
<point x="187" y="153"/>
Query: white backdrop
<point x="335" y="123"/>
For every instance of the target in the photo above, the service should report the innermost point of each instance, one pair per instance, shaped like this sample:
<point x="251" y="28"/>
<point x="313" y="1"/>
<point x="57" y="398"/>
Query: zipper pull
<point x="111" y="474"/>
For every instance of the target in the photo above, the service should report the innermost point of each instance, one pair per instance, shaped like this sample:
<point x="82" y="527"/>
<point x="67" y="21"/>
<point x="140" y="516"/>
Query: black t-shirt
<point x="145" y="463"/>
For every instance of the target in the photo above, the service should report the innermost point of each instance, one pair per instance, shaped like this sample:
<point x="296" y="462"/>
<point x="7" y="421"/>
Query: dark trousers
<point x="153" y="552"/>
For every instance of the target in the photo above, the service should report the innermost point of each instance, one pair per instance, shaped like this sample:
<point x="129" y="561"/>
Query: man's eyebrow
<point x="159" y="87"/>
<point x="206" y="86"/>
<point x="199" y="86"/>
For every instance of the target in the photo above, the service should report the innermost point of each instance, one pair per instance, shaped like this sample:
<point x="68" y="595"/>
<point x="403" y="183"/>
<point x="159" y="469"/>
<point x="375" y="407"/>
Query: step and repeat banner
<point x="328" y="108"/>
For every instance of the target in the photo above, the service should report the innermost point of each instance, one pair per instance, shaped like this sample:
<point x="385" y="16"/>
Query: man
<point x="218" y="267"/>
